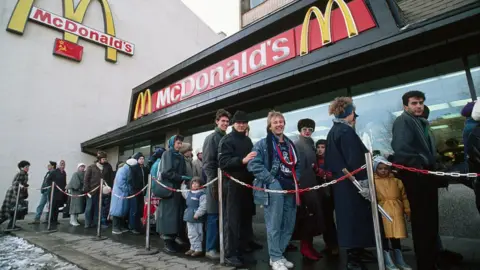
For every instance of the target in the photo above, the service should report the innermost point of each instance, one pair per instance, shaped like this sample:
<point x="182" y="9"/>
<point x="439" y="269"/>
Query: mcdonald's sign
<point x="71" y="25"/>
<point x="143" y="106"/>
<point x="347" y="21"/>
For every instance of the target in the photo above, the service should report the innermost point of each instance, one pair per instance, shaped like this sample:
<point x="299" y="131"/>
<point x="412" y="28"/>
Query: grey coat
<point x="189" y="167"/>
<point x="77" y="205"/>
<point x="170" y="211"/>
<point x="210" y="167"/>
<point x="197" y="168"/>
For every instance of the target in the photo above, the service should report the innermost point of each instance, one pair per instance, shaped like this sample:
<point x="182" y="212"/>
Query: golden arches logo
<point x="324" y="22"/>
<point x="143" y="106"/>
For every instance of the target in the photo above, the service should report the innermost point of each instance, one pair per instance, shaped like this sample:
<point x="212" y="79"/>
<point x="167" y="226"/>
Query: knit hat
<point x="185" y="148"/>
<point x="377" y="160"/>
<point x="81" y="164"/>
<point x="240" y="116"/>
<point x="101" y="154"/>
<point x="53" y="163"/>
<point x="23" y="164"/>
<point x="138" y="155"/>
<point x="307" y="122"/>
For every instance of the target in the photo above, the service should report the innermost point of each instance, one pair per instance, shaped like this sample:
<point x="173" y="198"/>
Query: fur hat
<point x="185" y="148"/>
<point x="240" y="116"/>
<point x="22" y="164"/>
<point x="307" y="122"/>
<point x="101" y="154"/>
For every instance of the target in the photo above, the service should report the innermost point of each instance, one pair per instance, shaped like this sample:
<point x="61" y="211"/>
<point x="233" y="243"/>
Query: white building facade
<point x="50" y="104"/>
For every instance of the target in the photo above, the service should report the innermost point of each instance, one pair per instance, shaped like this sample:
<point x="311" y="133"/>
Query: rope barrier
<point x="184" y="190"/>
<point x="300" y="190"/>
<point x="75" y="195"/>
<point x="131" y="196"/>
<point x="437" y="173"/>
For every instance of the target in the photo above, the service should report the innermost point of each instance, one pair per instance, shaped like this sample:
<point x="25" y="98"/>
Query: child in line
<point x="392" y="197"/>
<point x="195" y="216"/>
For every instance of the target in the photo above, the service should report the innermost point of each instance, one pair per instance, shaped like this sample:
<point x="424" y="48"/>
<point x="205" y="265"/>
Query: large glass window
<point x="474" y="64"/>
<point x="446" y="94"/>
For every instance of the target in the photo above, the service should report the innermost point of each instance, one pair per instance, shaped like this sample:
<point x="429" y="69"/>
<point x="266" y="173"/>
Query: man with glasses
<point x="415" y="147"/>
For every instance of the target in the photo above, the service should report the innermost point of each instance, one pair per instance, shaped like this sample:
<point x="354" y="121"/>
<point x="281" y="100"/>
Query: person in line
<point x="59" y="198"/>
<point x="75" y="187"/>
<point x="93" y="175"/>
<point x="276" y="167"/>
<point x="138" y="181"/>
<point x="119" y="208"/>
<point x="234" y="153"/>
<point x="187" y="153"/>
<point x="415" y="147"/>
<point x="45" y="191"/>
<point x="392" y="197"/>
<point x="210" y="167"/>
<point x="324" y="176"/>
<point x="155" y="160"/>
<point x="310" y="221"/>
<point x="345" y="150"/>
<point x="9" y="203"/>
<point x="108" y="176"/>
<point x="171" y="208"/>
<point x="195" y="216"/>
<point x="197" y="164"/>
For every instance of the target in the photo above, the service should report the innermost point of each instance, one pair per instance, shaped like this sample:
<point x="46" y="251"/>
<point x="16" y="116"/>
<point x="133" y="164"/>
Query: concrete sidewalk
<point x="77" y="245"/>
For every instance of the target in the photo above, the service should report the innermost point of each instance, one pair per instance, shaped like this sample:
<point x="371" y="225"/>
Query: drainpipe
<point x="396" y="13"/>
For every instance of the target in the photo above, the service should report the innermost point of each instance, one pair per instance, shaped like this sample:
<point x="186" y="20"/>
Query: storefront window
<point x="474" y="64"/>
<point x="446" y="93"/>
<point x="125" y="152"/>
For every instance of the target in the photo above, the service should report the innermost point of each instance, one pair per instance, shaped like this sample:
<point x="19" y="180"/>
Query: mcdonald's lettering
<point x="71" y="25"/>
<point x="143" y="106"/>
<point x="347" y="21"/>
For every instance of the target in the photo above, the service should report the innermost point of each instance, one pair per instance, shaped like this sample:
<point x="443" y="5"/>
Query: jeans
<point x="280" y="215"/>
<point x="195" y="235"/>
<point x="105" y="208"/>
<point x="41" y="205"/>
<point x="212" y="232"/>
<point x="91" y="211"/>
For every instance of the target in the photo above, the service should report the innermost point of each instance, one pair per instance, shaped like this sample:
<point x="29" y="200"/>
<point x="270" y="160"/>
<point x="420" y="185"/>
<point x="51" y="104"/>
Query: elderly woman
<point x="77" y="204"/>
<point x="21" y="178"/>
<point x="122" y="187"/>
<point x="276" y="167"/>
<point x="345" y="149"/>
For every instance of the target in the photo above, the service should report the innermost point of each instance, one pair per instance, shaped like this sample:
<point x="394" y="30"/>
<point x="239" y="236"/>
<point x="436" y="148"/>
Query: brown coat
<point x="92" y="178"/>
<point x="392" y="197"/>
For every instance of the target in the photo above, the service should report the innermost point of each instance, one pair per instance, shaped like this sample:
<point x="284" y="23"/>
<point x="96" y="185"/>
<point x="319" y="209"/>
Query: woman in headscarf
<point x="170" y="211"/>
<point x="77" y="204"/>
<point x="21" y="178"/>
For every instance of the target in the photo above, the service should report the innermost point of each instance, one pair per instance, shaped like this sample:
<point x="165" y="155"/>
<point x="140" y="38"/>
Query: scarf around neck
<point x="342" y="121"/>
<point x="223" y="133"/>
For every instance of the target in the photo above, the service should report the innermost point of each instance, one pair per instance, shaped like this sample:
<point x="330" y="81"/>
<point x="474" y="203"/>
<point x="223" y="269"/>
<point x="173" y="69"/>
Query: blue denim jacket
<point x="259" y="168"/>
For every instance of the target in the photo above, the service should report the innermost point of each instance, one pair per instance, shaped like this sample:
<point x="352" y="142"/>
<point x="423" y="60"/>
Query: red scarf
<point x="291" y="165"/>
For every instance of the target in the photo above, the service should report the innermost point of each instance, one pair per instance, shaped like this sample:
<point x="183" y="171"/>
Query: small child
<point x="195" y="216"/>
<point x="392" y="197"/>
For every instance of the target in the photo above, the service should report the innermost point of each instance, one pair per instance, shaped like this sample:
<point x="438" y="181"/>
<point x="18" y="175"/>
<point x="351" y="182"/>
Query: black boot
<point x="353" y="262"/>
<point x="233" y="262"/>
<point x="169" y="246"/>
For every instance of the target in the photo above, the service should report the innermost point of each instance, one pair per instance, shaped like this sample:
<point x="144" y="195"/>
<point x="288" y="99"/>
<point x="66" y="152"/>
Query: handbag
<point x="160" y="191"/>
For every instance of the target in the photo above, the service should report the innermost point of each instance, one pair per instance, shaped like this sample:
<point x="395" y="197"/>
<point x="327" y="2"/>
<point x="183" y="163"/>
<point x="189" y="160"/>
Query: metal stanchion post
<point x="50" y="208"/>
<point x="99" y="236"/>
<point x="148" y="250"/>
<point x="220" y="215"/>
<point x="15" y="211"/>
<point x="376" y="220"/>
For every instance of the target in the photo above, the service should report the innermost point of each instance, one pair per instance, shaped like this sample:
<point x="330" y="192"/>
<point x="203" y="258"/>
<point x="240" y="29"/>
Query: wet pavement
<point x="78" y="245"/>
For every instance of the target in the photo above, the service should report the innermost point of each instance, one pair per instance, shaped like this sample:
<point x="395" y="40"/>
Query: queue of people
<point x="341" y="213"/>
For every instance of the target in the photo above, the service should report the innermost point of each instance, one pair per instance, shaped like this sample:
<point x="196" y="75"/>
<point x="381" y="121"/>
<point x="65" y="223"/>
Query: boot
<point x="389" y="265"/>
<point x="399" y="260"/>
<point x="314" y="251"/>
<point x="73" y="221"/>
<point x="306" y="251"/>
<point x="169" y="246"/>
<point x="353" y="263"/>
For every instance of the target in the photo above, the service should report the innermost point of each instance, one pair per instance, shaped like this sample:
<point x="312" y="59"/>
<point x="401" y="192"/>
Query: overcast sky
<point x="220" y="15"/>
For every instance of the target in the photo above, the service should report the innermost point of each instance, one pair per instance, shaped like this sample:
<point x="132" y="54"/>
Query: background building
<point x="254" y="10"/>
<point x="49" y="104"/>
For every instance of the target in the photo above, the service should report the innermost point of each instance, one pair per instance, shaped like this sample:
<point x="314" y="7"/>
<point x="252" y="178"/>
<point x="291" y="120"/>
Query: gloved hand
<point x="365" y="192"/>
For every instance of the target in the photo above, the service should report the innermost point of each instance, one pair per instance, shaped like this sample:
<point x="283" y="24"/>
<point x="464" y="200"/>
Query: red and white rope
<point x="437" y="173"/>
<point x="184" y="190"/>
<point x="131" y="196"/>
<point x="75" y="195"/>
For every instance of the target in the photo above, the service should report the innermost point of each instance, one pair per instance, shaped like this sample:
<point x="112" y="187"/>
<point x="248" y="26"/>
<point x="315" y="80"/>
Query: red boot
<point x="314" y="251"/>
<point x="307" y="251"/>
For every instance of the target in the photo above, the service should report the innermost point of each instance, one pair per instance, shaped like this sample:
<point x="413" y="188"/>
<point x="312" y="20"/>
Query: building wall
<point x="262" y="10"/>
<point x="49" y="105"/>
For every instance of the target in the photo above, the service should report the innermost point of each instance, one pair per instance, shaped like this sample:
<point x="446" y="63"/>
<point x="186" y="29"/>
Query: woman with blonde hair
<point x="275" y="167"/>
<point x="345" y="150"/>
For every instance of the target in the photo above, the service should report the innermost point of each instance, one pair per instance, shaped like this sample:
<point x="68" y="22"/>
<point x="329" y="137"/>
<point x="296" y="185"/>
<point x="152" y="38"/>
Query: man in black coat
<point x="140" y="180"/>
<point x="415" y="147"/>
<point x="210" y="167"/>
<point x="234" y="152"/>
<point x="59" y="176"/>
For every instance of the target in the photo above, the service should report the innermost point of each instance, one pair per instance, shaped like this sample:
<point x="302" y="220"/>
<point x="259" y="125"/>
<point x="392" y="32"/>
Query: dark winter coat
<point x="139" y="178"/>
<point x="232" y="148"/>
<point x="108" y="174"/>
<point x="170" y="210"/>
<point x="344" y="149"/>
<point x="60" y="179"/>
<point x="93" y="174"/>
<point x="309" y="222"/>
<point x="75" y="186"/>
<point x="11" y="195"/>
<point x="210" y="167"/>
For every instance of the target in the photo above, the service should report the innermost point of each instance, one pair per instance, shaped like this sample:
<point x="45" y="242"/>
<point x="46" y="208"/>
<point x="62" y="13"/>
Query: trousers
<point x="330" y="233"/>
<point x="195" y="235"/>
<point x="41" y="205"/>
<point x="212" y="232"/>
<point x="422" y="192"/>
<point x="91" y="210"/>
